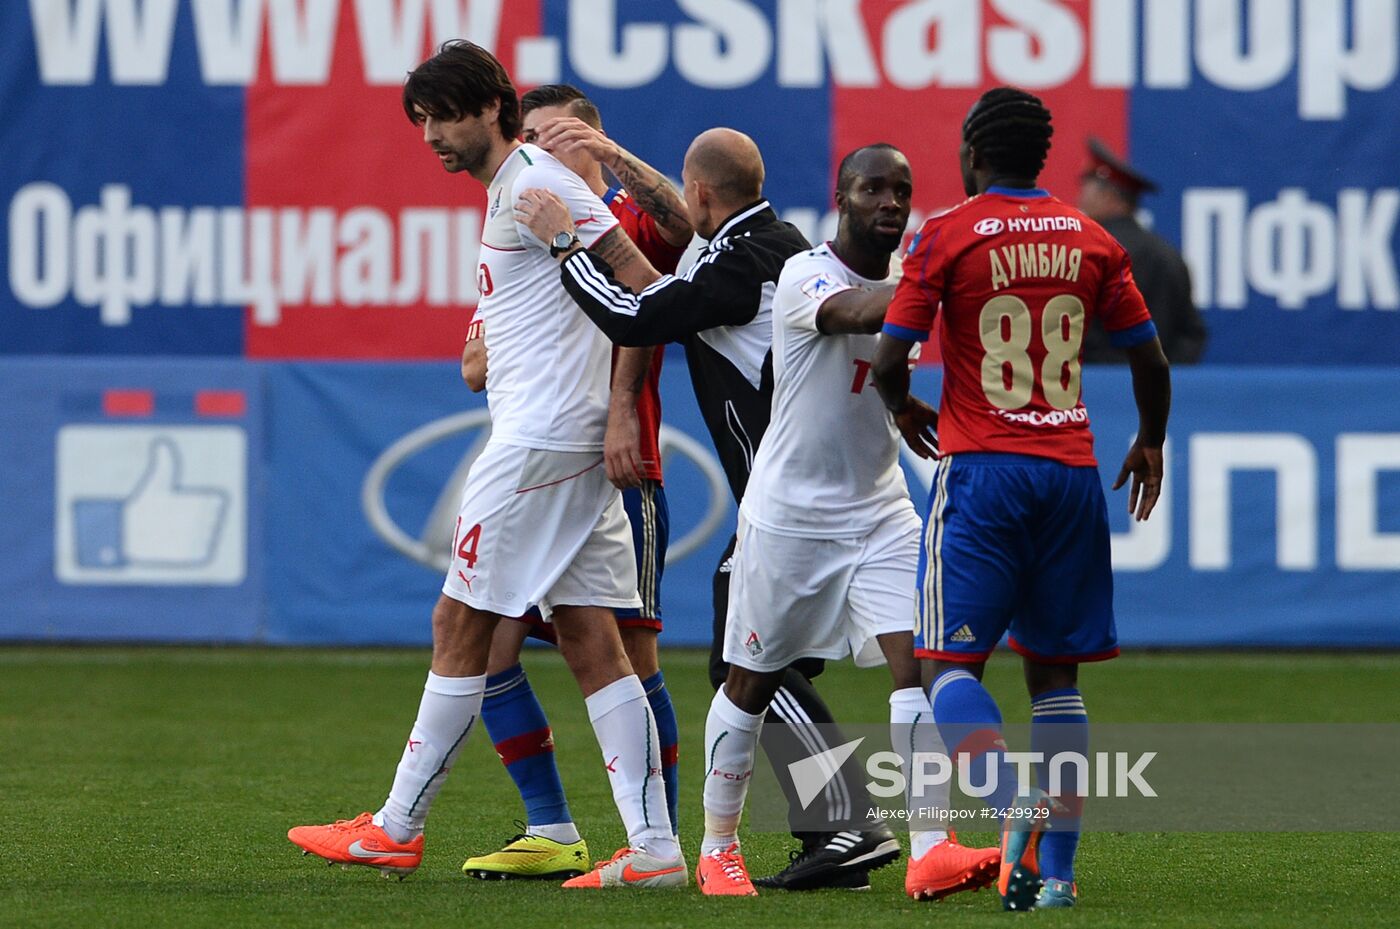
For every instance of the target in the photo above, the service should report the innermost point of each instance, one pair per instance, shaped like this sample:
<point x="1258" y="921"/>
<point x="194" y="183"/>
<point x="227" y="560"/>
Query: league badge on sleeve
<point x="819" y="286"/>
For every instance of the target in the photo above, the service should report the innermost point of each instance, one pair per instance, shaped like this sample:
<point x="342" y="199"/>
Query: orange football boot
<point x="948" y="868"/>
<point x="359" y="841"/>
<point x="722" y="873"/>
<point x="631" y="867"/>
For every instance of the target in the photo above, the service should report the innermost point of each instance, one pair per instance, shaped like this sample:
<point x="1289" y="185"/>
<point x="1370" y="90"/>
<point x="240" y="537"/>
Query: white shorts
<point x="540" y="527"/>
<point x="792" y="597"/>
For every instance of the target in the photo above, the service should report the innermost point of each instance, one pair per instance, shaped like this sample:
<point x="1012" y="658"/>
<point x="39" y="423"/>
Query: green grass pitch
<point x="154" y="787"/>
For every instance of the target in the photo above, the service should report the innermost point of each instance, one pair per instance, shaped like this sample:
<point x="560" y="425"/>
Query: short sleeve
<point x="804" y="286"/>
<point x="591" y="217"/>
<point x="1120" y="306"/>
<point x="916" y="297"/>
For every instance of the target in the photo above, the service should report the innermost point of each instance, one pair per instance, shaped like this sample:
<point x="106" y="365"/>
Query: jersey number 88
<point x="1005" y="324"/>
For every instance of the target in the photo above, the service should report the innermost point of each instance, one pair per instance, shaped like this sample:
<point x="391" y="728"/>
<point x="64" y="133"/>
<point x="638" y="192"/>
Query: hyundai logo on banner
<point x="431" y="547"/>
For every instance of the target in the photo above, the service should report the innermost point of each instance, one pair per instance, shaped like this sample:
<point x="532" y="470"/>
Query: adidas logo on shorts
<point x="963" y="634"/>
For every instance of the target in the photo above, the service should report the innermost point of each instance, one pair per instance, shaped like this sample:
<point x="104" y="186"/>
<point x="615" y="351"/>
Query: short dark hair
<point x="846" y="173"/>
<point x="1010" y="129"/>
<point x="562" y="95"/>
<point x="462" y="79"/>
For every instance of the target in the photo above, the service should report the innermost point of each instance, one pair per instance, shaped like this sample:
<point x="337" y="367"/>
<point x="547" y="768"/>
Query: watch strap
<point x="556" y="250"/>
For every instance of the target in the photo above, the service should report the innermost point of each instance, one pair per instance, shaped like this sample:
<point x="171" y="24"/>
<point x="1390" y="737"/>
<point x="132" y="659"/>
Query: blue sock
<point x="669" y="733"/>
<point x="1059" y="723"/>
<point x="970" y="723"/>
<point x="518" y="728"/>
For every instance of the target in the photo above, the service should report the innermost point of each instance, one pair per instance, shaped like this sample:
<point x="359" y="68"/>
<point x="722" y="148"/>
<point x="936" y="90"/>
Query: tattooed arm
<point x="654" y="194"/>
<point x="648" y="187"/>
<point x="628" y="264"/>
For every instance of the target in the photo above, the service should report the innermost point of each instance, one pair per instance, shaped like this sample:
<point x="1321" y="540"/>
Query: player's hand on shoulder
<point x="1144" y="464"/>
<point x="543" y="213"/>
<point x="918" y="423"/>
<point x="566" y="134"/>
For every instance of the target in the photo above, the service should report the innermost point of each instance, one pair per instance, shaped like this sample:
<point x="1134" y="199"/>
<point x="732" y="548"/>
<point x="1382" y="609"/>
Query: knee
<point x="898" y="649"/>
<point x="590" y="646"/>
<point x="573" y="647"/>
<point x="750" y="691"/>
<point x="933" y="670"/>
<point x="449" y="619"/>
<point x="640" y="646"/>
<point x="576" y="638"/>
<point x="719" y="671"/>
<point x="1041" y="678"/>
<point x="461" y="637"/>
<point x="505" y="646"/>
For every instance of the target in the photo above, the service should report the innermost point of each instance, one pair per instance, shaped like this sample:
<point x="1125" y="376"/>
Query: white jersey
<point x="547" y="366"/>
<point x="828" y="466"/>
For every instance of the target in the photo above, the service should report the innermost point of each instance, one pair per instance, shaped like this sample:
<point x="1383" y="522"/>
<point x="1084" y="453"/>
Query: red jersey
<point x="1019" y="275"/>
<point x="664" y="257"/>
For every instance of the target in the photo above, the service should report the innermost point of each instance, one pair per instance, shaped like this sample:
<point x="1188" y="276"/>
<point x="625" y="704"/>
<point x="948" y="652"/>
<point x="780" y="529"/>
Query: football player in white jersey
<point x="539" y="521"/>
<point x="828" y="542"/>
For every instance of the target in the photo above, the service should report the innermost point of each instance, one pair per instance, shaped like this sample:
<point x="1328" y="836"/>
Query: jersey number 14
<point x="466" y="547"/>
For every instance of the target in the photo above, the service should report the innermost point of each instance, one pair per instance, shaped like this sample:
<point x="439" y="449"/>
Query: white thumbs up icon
<point x="162" y="522"/>
<point x="151" y="504"/>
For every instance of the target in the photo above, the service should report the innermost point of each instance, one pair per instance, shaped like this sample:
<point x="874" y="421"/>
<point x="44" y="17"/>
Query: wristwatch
<point x="562" y="243"/>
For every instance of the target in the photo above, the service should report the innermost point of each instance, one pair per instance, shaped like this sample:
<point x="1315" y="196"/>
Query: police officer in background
<point x="1108" y="193"/>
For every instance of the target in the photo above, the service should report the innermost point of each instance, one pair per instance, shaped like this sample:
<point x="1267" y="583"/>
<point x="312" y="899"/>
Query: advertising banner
<point x="313" y="503"/>
<point x="133" y="500"/>
<point x="237" y="177"/>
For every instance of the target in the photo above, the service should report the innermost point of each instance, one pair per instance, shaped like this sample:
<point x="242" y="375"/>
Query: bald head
<point x="727" y="162"/>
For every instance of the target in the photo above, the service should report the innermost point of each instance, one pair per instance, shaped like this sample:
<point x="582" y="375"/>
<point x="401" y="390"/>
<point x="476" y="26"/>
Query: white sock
<point x="563" y="833"/>
<point x="912" y="732"/>
<point x="450" y="706"/>
<point x="626" y="733"/>
<point x="731" y="742"/>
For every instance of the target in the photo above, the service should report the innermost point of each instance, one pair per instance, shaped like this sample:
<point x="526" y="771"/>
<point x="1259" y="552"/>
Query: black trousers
<point x="790" y="732"/>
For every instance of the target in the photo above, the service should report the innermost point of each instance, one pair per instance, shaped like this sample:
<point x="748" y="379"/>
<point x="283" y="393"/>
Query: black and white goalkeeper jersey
<point x="720" y="309"/>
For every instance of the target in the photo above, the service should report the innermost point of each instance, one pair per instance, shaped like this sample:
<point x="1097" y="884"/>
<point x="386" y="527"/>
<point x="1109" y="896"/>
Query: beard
<point x="877" y="241"/>
<point x="469" y="158"/>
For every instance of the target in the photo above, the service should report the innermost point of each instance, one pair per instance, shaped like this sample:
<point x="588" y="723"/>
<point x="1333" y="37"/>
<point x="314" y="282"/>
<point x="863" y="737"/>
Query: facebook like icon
<point x="150" y="505"/>
<point x="162" y="522"/>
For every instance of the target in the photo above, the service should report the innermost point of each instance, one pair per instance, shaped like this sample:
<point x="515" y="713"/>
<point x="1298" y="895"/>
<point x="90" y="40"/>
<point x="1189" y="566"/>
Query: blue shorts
<point x="1015" y="544"/>
<point x="650" y="517"/>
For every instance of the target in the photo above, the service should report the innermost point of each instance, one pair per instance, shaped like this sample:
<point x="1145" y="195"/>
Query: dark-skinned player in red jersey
<point x="1017" y="535"/>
